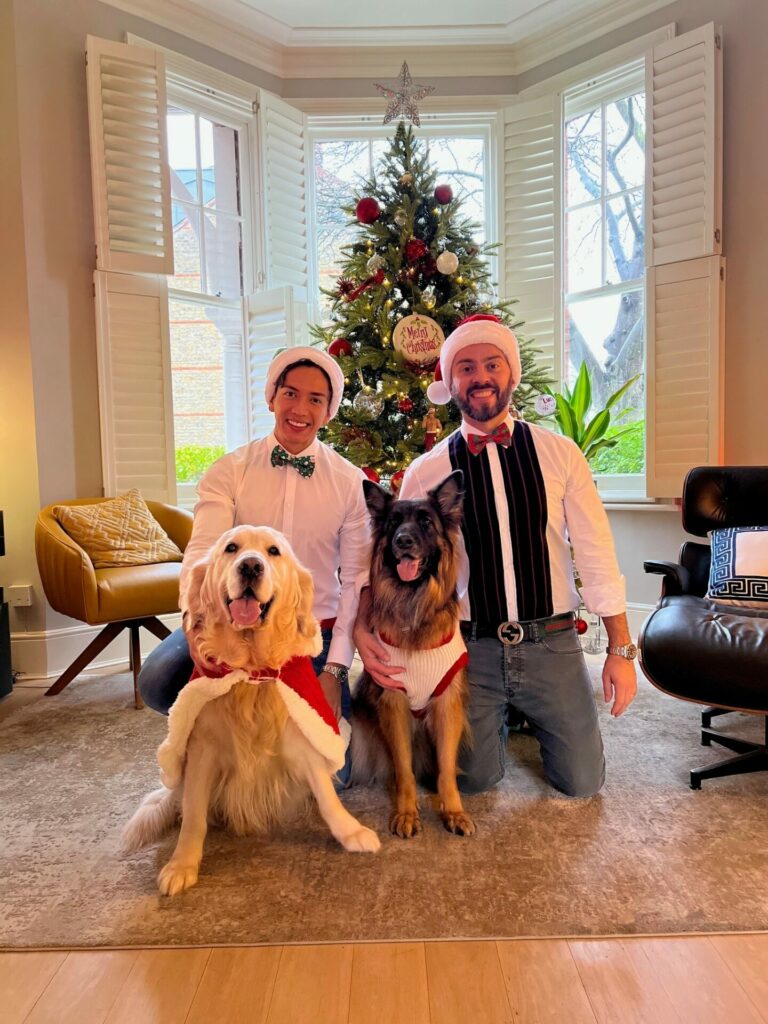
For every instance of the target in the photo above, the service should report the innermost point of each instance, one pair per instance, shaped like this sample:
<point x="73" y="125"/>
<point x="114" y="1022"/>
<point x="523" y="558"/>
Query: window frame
<point x="577" y="100"/>
<point x="329" y="127"/>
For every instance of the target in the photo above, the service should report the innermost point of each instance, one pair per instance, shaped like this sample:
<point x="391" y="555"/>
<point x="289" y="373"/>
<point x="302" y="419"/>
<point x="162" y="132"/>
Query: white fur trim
<point x="172" y="752"/>
<point x="322" y="737"/>
<point x="438" y="393"/>
<point x="315" y="355"/>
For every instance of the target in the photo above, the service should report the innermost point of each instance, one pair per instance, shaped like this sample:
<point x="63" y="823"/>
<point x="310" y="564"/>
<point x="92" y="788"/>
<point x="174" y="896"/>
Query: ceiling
<point x="347" y="39"/>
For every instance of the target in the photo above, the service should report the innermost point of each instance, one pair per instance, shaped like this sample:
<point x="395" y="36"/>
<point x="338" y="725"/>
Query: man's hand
<point x="375" y="659"/>
<point x="331" y="687"/>
<point x="619" y="682"/>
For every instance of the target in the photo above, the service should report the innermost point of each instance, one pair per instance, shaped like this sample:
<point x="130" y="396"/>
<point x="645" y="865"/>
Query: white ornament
<point x="375" y="263"/>
<point x="545" y="405"/>
<point x="428" y="297"/>
<point x="368" y="403"/>
<point x="400" y="216"/>
<point x="447" y="262"/>
<point x="418" y="339"/>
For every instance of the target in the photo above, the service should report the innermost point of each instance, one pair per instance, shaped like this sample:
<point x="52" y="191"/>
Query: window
<point x="604" y="261"/>
<point x="205" y="294"/>
<point x="345" y="155"/>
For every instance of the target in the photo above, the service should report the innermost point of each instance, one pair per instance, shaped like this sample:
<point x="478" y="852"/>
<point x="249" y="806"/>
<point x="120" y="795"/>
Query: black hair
<point x="304" y="362"/>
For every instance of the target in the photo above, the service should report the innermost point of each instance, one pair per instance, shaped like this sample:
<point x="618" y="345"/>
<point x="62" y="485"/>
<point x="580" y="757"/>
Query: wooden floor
<point x="695" y="980"/>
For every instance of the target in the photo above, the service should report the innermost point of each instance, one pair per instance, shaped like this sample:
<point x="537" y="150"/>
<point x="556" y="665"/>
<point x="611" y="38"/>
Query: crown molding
<point x="239" y="31"/>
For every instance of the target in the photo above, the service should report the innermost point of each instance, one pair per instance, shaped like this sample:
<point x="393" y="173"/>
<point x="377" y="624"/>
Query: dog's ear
<point x="191" y="601"/>
<point x="449" y="498"/>
<point x="378" y="501"/>
<point x="305" y="620"/>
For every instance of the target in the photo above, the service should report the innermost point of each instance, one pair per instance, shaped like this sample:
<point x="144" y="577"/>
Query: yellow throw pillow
<point x="120" y="531"/>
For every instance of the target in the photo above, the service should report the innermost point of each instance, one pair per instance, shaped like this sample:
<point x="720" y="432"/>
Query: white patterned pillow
<point x="739" y="571"/>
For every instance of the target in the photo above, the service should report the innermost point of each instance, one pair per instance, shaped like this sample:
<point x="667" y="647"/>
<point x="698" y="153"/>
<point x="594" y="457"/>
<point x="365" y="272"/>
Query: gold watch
<point x="628" y="651"/>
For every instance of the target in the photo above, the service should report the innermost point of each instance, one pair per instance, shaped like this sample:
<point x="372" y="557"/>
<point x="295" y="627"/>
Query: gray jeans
<point x="548" y="682"/>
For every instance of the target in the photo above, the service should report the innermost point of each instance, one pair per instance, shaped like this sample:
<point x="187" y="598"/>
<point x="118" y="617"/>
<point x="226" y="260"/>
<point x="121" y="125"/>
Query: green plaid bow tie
<point x="303" y="464"/>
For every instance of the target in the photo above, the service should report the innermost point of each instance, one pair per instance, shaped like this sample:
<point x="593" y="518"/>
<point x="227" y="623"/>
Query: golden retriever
<point x="246" y="742"/>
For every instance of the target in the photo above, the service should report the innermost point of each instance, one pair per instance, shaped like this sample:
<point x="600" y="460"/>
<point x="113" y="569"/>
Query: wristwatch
<point x="341" y="673"/>
<point x="628" y="651"/>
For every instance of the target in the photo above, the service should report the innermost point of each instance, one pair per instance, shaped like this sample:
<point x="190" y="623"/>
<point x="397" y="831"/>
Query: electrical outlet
<point x="20" y="596"/>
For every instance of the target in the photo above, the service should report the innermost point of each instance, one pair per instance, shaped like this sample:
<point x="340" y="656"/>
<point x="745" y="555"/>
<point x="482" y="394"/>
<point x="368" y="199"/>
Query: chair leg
<point x="708" y="714"/>
<point x="754" y="761"/>
<point x="96" y="646"/>
<point x="135" y="660"/>
<point x="156" y="627"/>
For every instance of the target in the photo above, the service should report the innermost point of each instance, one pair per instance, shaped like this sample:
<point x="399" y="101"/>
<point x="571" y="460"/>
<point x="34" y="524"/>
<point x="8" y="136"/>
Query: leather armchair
<point x="127" y="597"/>
<point x="698" y="650"/>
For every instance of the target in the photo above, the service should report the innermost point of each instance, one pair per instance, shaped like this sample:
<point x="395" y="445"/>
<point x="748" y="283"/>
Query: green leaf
<point x="581" y="399"/>
<point x="597" y="427"/>
<point x="622" y="391"/>
<point x="566" y="419"/>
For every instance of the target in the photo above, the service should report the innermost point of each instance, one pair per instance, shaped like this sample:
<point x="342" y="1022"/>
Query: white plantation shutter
<point x="282" y="131"/>
<point x="271" y="324"/>
<point x="135" y="385"/>
<point x="686" y="309"/>
<point x="684" y="147"/>
<point x="129" y="164"/>
<point x="531" y="226"/>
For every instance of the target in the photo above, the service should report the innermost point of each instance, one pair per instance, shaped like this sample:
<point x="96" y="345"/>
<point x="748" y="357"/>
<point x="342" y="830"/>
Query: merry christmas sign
<point x="418" y="339"/>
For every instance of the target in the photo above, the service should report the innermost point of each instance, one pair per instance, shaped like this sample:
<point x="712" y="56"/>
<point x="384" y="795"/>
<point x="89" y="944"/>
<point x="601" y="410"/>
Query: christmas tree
<point x="412" y="276"/>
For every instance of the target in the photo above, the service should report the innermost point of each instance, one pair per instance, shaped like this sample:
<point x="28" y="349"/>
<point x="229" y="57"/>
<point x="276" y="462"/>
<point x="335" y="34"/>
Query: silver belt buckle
<point x="510" y="633"/>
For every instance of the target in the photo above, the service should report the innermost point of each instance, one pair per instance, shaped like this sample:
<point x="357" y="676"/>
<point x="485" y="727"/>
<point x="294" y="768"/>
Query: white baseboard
<point x="46" y="653"/>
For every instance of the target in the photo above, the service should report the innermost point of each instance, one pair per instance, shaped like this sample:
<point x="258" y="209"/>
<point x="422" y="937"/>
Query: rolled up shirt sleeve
<point x="354" y="562"/>
<point x="602" y="585"/>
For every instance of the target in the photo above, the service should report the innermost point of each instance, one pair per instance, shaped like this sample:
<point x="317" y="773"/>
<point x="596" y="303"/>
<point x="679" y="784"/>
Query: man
<point x="293" y="483"/>
<point x="529" y="497"/>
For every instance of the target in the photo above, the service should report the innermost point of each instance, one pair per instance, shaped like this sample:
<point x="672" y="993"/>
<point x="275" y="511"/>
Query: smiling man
<point x="293" y="483"/>
<point x="530" y="500"/>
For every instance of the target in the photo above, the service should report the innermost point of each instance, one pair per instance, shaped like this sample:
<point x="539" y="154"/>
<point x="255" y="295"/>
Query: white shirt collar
<point x="466" y="430"/>
<point x="312" y="449"/>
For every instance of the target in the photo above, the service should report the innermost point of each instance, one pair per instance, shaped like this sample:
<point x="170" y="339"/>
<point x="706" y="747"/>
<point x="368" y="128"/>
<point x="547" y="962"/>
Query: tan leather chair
<point x="127" y="597"/>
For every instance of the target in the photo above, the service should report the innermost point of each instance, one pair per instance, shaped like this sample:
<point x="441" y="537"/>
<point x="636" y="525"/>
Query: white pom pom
<point x="438" y="393"/>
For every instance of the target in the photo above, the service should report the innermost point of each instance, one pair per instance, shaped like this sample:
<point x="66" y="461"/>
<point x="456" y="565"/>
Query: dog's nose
<point x="403" y="540"/>
<point x="250" y="568"/>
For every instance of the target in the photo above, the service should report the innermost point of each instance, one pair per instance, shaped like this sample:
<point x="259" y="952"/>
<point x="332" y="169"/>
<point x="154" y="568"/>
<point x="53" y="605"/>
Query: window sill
<point x="635" y="505"/>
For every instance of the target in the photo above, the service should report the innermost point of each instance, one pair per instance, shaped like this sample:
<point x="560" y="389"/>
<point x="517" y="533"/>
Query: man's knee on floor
<point x="582" y="782"/>
<point x="479" y="778"/>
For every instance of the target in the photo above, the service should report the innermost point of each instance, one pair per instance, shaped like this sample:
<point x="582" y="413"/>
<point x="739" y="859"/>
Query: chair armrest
<point x="176" y="522"/>
<point x="676" y="580"/>
<point x="66" y="571"/>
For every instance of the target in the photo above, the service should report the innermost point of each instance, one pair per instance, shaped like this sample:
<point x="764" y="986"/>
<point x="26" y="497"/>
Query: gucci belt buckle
<point x="510" y="633"/>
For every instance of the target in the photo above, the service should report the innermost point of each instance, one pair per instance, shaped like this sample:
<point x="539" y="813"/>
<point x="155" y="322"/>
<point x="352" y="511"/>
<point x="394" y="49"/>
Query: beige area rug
<point x="649" y="855"/>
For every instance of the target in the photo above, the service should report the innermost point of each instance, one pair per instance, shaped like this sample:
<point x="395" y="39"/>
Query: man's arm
<point x="374" y="657"/>
<point x="619" y="675"/>
<point x="214" y="513"/>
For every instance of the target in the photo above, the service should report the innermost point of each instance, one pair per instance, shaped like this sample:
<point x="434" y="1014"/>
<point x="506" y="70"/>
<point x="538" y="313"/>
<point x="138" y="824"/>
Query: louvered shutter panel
<point x="129" y="158"/>
<point x="271" y="324"/>
<point x="686" y="307"/>
<point x="684" y="147"/>
<point x="282" y="135"/>
<point x="531" y="228"/>
<point x="135" y="385"/>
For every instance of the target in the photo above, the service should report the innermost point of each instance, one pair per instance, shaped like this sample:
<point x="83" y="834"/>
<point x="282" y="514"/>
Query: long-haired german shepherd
<point x="414" y="611"/>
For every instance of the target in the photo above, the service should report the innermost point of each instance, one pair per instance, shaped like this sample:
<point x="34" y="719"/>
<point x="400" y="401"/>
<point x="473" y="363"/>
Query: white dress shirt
<point x="575" y="516"/>
<point x="324" y="517"/>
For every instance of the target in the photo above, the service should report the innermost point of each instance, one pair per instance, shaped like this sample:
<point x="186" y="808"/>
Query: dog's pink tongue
<point x="408" y="569"/>
<point x="245" y="611"/>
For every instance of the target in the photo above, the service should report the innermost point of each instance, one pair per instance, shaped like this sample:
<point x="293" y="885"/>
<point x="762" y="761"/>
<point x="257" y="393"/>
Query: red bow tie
<point x="501" y="435"/>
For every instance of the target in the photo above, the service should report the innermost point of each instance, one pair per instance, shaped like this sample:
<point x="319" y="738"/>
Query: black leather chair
<point x="701" y="651"/>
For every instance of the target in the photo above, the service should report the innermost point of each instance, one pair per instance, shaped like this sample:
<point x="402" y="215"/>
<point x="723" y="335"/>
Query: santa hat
<point x="321" y="359"/>
<point x="480" y="329"/>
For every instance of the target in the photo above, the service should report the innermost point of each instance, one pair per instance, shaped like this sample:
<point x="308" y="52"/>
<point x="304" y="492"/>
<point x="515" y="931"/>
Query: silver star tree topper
<point x="402" y="101"/>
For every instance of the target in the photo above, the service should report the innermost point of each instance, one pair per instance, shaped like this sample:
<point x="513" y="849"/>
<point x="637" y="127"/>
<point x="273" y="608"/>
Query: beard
<point x="482" y="412"/>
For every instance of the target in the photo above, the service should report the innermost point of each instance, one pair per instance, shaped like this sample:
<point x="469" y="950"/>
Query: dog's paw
<point x="405" y="824"/>
<point x="363" y="840"/>
<point x="459" y="822"/>
<point x="175" y="877"/>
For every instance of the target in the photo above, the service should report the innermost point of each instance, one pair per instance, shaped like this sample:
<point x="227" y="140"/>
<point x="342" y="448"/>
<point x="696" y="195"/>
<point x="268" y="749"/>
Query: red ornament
<point x="340" y="347"/>
<point x="428" y="266"/>
<point x="396" y="480"/>
<point x="344" y="286"/>
<point x="415" y="249"/>
<point x="367" y="210"/>
<point x="405" y="405"/>
<point x="581" y="626"/>
<point x="371" y="474"/>
<point x="443" y="194"/>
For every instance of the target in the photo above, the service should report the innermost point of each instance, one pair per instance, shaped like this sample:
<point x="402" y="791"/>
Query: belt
<point x="513" y="633"/>
<point x="327" y="623"/>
